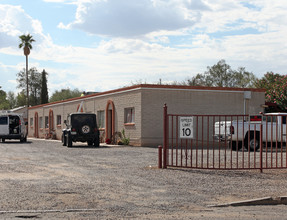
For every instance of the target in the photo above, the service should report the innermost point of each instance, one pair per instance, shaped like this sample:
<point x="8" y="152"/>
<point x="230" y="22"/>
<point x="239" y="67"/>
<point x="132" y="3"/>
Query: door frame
<point x="110" y="127"/>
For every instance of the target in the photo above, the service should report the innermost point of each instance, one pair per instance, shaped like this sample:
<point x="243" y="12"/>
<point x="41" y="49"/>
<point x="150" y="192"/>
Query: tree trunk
<point x="26" y="51"/>
<point x="27" y="87"/>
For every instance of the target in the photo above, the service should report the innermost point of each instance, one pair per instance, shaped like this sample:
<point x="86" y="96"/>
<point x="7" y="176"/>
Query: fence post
<point x="159" y="156"/>
<point x="261" y="148"/>
<point x="165" y="136"/>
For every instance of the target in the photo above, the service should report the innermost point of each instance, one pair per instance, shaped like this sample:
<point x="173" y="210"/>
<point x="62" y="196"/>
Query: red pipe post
<point x="159" y="156"/>
<point x="165" y="136"/>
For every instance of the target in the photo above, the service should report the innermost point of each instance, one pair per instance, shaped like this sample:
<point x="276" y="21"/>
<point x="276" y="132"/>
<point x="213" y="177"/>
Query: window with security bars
<point x="101" y="119"/>
<point x="59" y="119"/>
<point x="41" y="122"/>
<point x="129" y="115"/>
<point x="46" y="122"/>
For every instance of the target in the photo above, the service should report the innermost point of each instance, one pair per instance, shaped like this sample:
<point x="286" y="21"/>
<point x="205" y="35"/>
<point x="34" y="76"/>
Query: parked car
<point x="12" y="126"/>
<point x="81" y="127"/>
<point x="248" y="132"/>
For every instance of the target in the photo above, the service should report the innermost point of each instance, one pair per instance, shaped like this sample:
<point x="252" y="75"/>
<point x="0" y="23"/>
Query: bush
<point x="125" y="140"/>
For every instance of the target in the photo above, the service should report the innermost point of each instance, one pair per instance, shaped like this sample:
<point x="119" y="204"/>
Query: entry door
<point x="109" y="130"/>
<point x="4" y="126"/>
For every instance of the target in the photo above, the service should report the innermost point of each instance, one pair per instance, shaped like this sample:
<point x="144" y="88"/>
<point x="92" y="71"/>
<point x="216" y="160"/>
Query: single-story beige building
<point x="138" y="109"/>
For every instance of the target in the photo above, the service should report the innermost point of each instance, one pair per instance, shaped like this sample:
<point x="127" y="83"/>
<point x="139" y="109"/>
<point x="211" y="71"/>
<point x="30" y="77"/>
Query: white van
<point x="12" y="126"/>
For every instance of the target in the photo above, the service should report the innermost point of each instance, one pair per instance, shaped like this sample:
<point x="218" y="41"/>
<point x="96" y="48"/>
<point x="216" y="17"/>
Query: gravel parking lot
<point x="44" y="180"/>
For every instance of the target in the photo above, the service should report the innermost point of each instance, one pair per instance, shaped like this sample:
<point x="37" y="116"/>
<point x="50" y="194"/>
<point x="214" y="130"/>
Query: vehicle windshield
<point x="84" y="119"/>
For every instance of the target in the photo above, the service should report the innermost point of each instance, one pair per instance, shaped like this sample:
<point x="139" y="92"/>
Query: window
<point x="4" y="120"/>
<point x="129" y="115"/>
<point x="270" y="118"/>
<point x="31" y="122"/>
<point x="59" y="120"/>
<point x="46" y="122"/>
<point x="101" y="119"/>
<point x="41" y="122"/>
<point x="284" y="120"/>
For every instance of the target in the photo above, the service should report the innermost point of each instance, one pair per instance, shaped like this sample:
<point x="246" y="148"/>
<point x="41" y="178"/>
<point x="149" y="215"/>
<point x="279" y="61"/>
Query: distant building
<point x="139" y="109"/>
<point x="21" y="110"/>
<point x="88" y="93"/>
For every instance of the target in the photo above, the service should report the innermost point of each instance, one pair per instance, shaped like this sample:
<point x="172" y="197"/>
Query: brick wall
<point x="191" y="102"/>
<point x="93" y="105"/>
<point x="148" y="103"/>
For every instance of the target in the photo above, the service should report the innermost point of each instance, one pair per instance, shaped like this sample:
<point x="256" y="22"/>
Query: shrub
<point x="125" y="140"/>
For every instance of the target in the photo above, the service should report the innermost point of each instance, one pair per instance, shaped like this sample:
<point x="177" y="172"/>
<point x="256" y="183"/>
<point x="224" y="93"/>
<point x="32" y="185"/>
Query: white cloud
<point x="13" y="82"/>
<point x="180" y="40"/>
<point x="130" y="18"/>
<point x="259" y="15"/>
<point x="62" y="1"/>
<point x="8" y="26"/>
<point x="14" y="22"/>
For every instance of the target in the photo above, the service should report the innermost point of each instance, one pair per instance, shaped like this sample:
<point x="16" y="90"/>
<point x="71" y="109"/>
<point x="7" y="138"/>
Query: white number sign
<point x="186" y="127"/>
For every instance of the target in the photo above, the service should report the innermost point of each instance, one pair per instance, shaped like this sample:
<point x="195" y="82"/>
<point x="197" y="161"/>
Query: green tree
<point x="64" y="94"/>
<point x="198" y="80"/>
<point x="21" y="99"/>
<point x="12" y="100"/>
<point x="4" y="103"/>
<point x="221" y="75"/>
<point x="276" y="88"/>
<point x="34" y="84"/>
<point x="26" y="44"/>
<point x="243" y="79"/>
<point x="44" y="88"/>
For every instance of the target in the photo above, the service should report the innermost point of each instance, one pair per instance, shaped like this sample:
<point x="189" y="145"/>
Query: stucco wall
<point x="148" y="102"/>
<point x="197" y="102"/>
<point x="94" y="104"/>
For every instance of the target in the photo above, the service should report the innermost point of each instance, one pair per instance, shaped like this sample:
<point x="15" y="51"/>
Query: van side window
<point x="284" y="120"/>
<point x="270" y="118"/>
<point x="3" y="120"/>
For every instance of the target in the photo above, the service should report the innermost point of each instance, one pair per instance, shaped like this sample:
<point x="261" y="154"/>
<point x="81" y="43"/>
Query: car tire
<point x="97" y="142"/>
<point x="236" y="146"/>
<point x="90" y="143"/>
<point x="22" y="140"/>
<point x="64" y="140"/>
<point x="253" y="143"/>
<point x="86" y="129"/>
<point x="69" y="140"/>
<point x="3" y="140"/>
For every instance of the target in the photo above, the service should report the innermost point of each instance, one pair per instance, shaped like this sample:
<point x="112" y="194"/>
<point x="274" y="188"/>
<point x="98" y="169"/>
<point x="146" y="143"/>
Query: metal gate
<point x="224" y="141"/>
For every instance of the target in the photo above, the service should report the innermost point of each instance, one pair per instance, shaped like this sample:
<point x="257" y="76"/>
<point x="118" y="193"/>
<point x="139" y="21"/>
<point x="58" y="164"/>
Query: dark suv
<point x="81" y="127"/>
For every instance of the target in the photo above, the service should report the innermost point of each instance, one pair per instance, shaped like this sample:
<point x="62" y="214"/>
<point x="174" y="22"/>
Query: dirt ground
<point x="42" y="179"/>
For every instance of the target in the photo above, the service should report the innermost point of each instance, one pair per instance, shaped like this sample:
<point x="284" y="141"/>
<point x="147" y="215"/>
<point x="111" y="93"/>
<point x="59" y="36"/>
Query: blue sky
<point x="99" y="45"/>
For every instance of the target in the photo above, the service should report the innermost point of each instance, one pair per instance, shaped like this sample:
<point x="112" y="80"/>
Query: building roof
<point x="151" y="86"/>
<point x="18" y="108"/>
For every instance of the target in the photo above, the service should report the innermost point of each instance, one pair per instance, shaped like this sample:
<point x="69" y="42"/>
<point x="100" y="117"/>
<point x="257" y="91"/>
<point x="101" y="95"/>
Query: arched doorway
<point x="36" y="125"/>
<point x="110" y="119"/>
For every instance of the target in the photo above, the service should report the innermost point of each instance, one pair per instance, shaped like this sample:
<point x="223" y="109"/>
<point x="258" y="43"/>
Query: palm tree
<point x="26" y="43"/>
